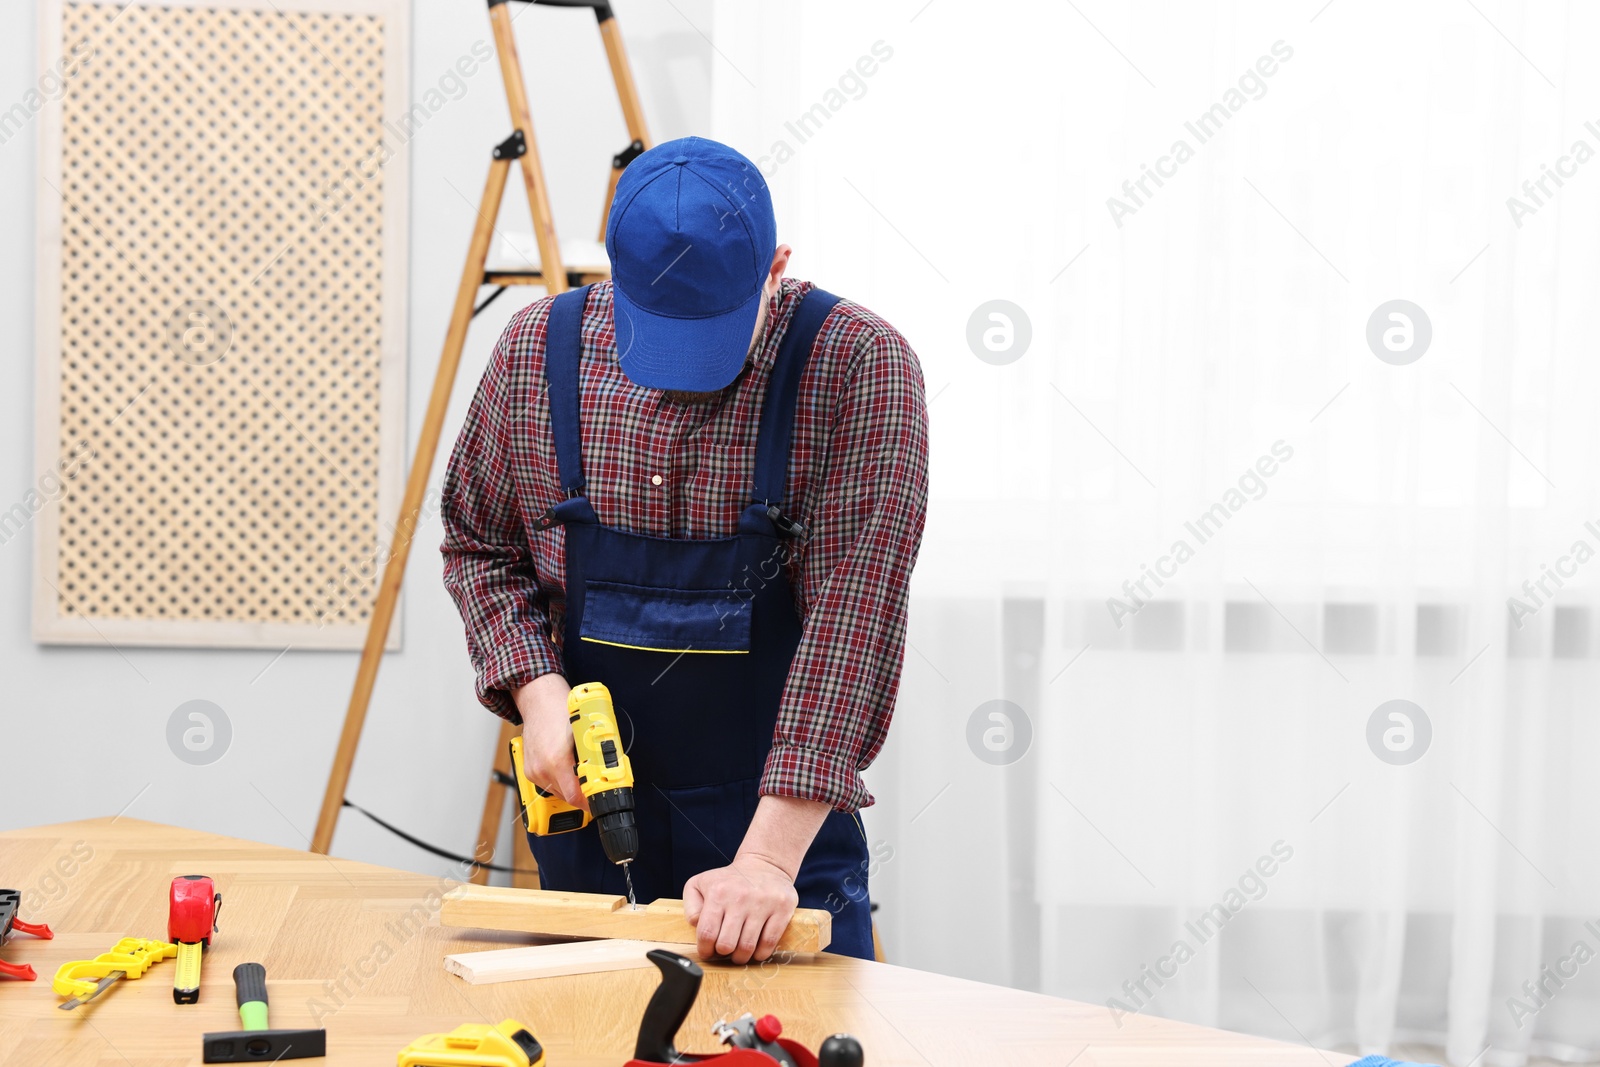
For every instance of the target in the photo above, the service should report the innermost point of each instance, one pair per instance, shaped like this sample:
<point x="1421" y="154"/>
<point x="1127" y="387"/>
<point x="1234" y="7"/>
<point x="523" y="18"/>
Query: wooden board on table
<point x="552" y="961"/>
<point x="539" y="911"/>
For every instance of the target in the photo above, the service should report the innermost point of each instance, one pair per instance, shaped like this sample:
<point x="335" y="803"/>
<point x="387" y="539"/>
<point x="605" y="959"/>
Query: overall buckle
<point x="550" y="518"/>
<point x="786" y="526"/>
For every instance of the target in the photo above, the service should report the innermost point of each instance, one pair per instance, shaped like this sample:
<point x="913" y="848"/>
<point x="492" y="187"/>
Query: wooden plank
<point x="538" y="911"/>
<point x="552" y="961"/>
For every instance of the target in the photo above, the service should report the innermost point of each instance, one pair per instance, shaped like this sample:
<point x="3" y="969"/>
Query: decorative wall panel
<point x="220" y="320"/>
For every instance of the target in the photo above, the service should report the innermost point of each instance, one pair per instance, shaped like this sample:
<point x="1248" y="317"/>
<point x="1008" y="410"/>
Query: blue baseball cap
<point x="691" y="237"/>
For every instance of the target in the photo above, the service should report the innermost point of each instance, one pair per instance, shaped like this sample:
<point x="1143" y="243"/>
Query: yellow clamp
<point x="510" y="1044"/>
<point x="132" y="956"/>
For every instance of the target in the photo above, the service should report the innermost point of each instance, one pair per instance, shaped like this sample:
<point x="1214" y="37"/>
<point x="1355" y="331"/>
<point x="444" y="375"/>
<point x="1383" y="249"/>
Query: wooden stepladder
<point x="550" y="271"/>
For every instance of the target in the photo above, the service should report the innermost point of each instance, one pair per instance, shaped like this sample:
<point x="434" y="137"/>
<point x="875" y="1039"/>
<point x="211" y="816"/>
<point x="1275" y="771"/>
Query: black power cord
<point x="435" y="849"/>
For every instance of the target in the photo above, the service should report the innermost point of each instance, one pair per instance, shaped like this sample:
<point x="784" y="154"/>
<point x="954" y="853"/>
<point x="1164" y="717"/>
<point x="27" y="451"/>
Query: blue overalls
<point x="694" y="640"/>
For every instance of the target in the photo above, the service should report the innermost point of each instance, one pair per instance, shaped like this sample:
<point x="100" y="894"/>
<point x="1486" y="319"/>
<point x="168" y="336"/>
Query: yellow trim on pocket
<point x="647" y="648"/>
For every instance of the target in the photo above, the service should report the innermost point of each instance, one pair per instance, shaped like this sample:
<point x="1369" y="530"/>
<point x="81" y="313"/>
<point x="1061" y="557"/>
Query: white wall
<point x="83" y="730"/>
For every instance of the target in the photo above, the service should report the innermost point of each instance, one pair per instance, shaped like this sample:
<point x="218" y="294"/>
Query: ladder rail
<point x="410" y="511"/>
<point x="556" y="279"/>
<point x="632" y="109"/>
<point x="544" y="226"/>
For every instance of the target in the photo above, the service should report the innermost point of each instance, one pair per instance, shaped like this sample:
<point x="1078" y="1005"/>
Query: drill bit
<point x="627" y="873"/>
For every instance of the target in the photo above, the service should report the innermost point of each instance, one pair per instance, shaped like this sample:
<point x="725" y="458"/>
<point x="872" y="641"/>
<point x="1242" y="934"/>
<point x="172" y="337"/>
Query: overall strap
<point x="563" y="345"/>
<point x="777" y="411"/>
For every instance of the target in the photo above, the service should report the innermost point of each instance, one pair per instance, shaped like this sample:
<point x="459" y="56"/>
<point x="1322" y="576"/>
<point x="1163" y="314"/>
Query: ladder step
<point x="516" y="252"/>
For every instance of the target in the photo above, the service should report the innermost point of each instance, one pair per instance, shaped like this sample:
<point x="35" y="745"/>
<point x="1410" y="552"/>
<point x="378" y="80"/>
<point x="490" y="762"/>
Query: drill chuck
<point x="619" y="832"/>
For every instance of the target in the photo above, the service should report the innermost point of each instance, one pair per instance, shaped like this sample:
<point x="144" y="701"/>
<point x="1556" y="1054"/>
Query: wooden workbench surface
<point x="335" y="940"/>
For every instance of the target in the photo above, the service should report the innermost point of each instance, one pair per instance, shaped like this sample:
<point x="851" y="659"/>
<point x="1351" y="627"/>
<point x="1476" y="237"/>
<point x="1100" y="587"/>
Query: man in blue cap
<point x="703" y="485"/>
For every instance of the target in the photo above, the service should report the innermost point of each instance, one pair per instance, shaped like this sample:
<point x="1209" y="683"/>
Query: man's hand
<point x="741" y="910"/>
<point x="548" y="754"/>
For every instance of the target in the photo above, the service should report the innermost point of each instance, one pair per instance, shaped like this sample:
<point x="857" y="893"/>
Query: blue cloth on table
<point x="1383" y="1061"/>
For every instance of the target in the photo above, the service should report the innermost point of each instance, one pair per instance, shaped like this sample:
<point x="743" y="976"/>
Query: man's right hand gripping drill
<point x="547" y="750"/>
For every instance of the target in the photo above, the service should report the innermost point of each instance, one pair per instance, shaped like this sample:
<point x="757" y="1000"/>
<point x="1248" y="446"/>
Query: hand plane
<point x="751" y="1042"/>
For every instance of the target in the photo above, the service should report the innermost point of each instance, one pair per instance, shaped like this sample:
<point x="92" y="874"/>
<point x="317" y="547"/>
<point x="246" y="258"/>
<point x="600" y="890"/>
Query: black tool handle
<point x="840" y="1050"/>
<point x="250" y="983"/>
<point x="668" y="1007"/>
<point x="264" y="1046"/>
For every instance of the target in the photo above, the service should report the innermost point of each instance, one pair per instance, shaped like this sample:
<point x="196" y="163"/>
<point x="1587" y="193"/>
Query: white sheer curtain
<point x="1219" y="738"/>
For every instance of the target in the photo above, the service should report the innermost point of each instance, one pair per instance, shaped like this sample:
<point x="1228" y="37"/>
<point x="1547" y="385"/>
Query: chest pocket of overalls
<point x="664" y="620"/>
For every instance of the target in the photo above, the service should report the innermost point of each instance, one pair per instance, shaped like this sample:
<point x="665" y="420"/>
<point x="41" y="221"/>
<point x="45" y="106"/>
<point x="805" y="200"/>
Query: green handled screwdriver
<point x="255" y="1042"/>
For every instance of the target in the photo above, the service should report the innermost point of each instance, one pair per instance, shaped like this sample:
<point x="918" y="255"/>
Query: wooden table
<point x="357" y="949"/>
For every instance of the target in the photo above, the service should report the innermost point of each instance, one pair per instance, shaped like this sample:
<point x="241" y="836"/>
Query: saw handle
<point x="250" y="989"/>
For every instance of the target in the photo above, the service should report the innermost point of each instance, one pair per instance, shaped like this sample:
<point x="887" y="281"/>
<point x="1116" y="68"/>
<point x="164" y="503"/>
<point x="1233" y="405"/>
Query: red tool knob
<point x="768" y="1028"/>
<point x="17" y="970"/>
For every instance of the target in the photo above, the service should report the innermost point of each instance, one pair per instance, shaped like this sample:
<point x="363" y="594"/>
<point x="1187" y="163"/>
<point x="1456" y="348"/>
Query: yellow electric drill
<point x="604" y="774"/>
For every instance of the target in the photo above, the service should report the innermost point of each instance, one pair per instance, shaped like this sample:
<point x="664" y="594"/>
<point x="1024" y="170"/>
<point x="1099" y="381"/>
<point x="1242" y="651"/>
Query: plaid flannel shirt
<point x="858" y="470"/>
